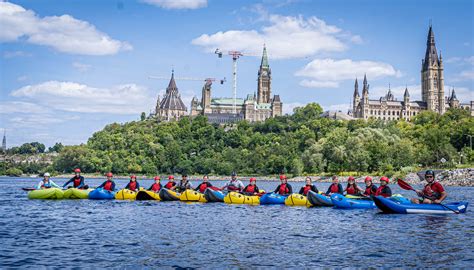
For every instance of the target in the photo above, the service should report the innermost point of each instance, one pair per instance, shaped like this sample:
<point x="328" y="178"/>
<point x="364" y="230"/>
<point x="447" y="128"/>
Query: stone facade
<point x="432" y="92"/>
<point x="253" y="108"/>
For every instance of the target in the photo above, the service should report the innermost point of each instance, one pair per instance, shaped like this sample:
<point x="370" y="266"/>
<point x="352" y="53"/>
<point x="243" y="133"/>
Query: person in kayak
<point x="133" y="185"/>
<point x="109" y="184"/>
<point x="251" y="188"/>
<point x="283" y="188"/>
<point x="234" y="184"/>
<point x="204" y="185"/>
<point x="46" y="182"/>
<point x="184" y="184"/>
<point x="384" y="190"/>
<point x="171" y="185"/>
<point x="77" y="181"/>
<point x="433" y="192"/>
<point x="370" y="188"/>
<point x="352" y="188"/>
<point x="309" y="186"/>
<point x="335" y="187"/>
<point x="155" y="187"/>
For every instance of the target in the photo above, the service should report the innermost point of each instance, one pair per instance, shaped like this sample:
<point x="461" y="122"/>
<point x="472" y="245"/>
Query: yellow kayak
<point x="46" y="194"/>
<point x="237" y="198"/>
<point x="125" y="194"/>
<point x="145" y="195"/>
<point x="297" y="200"/>
<point x="75" y="193"/>
<point x="192" y="196"/>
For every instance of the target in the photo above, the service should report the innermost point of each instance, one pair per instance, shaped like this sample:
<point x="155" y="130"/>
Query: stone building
<point x="253" y="108"/>
<point x="432" y="93"/>
<point x="171" y="107"/>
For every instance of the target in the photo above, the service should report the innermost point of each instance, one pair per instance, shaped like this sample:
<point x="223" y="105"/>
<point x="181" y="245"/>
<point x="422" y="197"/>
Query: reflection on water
<point x="173" y="234"/>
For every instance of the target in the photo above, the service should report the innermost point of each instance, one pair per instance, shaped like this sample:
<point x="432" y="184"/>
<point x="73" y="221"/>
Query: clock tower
<point x="264" y="89"/>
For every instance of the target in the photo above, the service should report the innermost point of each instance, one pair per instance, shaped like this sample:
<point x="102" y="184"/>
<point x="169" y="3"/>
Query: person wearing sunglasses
<point x="433" y="192"/>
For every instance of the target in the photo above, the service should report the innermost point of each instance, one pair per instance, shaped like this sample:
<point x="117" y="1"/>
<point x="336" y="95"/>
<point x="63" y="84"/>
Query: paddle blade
<point x="28" y="189"/>
<point x="404" y="185"/>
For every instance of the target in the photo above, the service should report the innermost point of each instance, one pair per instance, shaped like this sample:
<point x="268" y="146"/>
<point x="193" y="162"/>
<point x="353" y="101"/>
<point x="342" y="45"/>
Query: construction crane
<point x="208" y="81"/>
<point x="235" y="56"/>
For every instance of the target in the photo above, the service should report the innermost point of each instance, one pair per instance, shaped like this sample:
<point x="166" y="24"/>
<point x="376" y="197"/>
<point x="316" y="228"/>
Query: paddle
<point x="28" y="189"/>
<point x="404" y="185"/>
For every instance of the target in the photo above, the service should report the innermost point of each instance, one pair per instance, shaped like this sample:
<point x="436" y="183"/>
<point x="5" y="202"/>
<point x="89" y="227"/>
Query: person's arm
<point x="340" y="189"/>
<point x="39" y="184"/>
<point x="388" y="191"/>
<point x="127" y="186"/>
<point x="209" y="184"/>
<point x="54" y="184"/>
<point x="290" y="188"/>
<point x="101" y="185"/>
<point x="68" y="182"/>
<point x="301" y="190"/>
<point x="277" y="189"/>
<point x="329" y="190"/>
<point x="198" y="187"/>
<point x="256" y="190"/>
<point x="113" y="186"/>
<point x="138" y="186"/>
<point x="314" y="189"/>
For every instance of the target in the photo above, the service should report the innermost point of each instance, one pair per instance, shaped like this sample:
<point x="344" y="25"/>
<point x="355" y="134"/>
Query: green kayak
<point x="46" y="194"/>
<point x="75" y="193"/>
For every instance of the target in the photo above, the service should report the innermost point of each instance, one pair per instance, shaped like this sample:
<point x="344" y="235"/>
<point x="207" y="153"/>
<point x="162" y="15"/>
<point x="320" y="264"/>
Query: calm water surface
<point x="122" y="234"/>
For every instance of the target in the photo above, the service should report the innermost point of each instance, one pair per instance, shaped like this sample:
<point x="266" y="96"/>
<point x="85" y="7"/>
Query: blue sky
<point x="68" y="68"/>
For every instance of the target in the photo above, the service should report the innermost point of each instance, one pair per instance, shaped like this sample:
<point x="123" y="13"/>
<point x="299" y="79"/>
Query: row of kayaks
<point x="394" y="204"/>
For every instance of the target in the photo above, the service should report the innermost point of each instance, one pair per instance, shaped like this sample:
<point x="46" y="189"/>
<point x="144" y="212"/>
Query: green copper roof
<point x="227" y="101"/>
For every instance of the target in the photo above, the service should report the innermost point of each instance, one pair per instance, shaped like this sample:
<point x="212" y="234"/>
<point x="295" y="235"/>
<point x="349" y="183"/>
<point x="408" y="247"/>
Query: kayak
<point x="272" y="198"/>
<point x="319" y="199"/>
<point x="190" y="195"/>
<point x="125" y="194"/>
<point x="46" y="194"/>
<point x="101" y="194"/>
<point x="359" y="202"/>
<point x="297" y="200"/>
<point x="213" y="195"/>
<point x="237" y="198"/>
<point x="396" y="207"/>
<point x="75" y="193"/>
<point x="147" y="195"/>
<point x="168" y="195"/>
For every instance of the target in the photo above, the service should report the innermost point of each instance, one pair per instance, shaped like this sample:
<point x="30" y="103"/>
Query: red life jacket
<point x="250" y="189"/>
<point x="155" y="187"/>
<point x="334" y="188"/>
<point x="202" y="187"/>
<point x="233" y="186"/>
<point x="77" y="182"/>
<point x="306" y="189"/>
<point x="430" y="193"/>
<point x="108" y="185"/>
<point x="132" y="185"/>
<point x="379" y="192"/>
<point x="283" y="189"/>
<point x="170" y="185"/>
<point x="368" y="191"/>
<point x="351" y="190"/>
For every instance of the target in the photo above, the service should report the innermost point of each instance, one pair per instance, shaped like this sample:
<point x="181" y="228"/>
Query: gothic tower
<point x="4" y="141"/>
<point x="365" y="98"/>
<point x="432" y="77"/>
<point x="264" y="88"/>
<point x="356" y="98"/>
<point x="206" y="98"/>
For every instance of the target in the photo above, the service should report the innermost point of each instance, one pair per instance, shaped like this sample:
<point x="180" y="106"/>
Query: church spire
<point x="356" y="88"/>
<point x="365" y="88"/>
<point x="264" y="63"/>
<point x="172" y="85"/>
<point x="431" y="55"/>
<point x="406" y="95"/>
<point x="453" y="95"/>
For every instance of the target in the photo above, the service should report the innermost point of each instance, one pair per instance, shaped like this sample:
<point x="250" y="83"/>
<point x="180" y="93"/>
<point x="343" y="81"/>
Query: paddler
<point x="234" y="184"/>
<point x="433" y="192"/>
<point x="352" y="188"/>
<point x="109" y="184"/>
<point x="283" y="188"/>
<point x="335" y="187"/>
<point x="384" y="190"/>
<point x="171" y="185"/>
<point x="46" y="182"/>
<point x="184" y="183"/>
<point x="155" y="187"/>
<point x="370" y="188"/>
<point x="204" y="185"/>
<point x="133" y="185"/>
<point x="77" y="181"/>
<point x="309" y="186"/>
<point x="251" y="188"/>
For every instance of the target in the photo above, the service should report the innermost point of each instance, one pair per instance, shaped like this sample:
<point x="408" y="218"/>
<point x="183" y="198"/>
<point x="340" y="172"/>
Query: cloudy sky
<point x="68" y="68"/>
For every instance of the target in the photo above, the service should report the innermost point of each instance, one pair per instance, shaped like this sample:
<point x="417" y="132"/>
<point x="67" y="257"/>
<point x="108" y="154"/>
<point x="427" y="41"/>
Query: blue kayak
<point x="101" y="194"/>
<point x="356" y="202"/>
<point x="394" y="207"/>
<point x="319" y="199"/>
<point x="214" y="195"/>
<point x="272" y="198"/>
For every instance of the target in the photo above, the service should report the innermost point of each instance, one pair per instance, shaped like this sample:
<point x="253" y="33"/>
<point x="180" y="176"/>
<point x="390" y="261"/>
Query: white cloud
<point x="289" y="107"/>
<point x="11" y="54"/>
<point x="64" y="33"/>
<point x="285" y="37"/>
<point x="460" y="60"/>
<point x="344" y="107"/>
<point x="81" y="66"/>
<point x="75" y="97"/>
<point x="467" y="75"/>
<point x="22" y="78"/>
<point x="177" y="4"/>
<point x="328" y="72"/>
<point x="10" y="107"/>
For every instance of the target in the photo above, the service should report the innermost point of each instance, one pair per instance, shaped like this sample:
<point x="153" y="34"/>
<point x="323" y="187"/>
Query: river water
<point x="131" y="234"/>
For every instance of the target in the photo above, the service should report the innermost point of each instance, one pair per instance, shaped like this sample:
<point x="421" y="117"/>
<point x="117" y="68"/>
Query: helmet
<point x="351" y="178"/>
<point x="234" y="173"/>
<point x="77" y="170"/>
<point x="156" y="178"/>
<point x="384" y="178"/>
<point x="46" y="175"/>
<point x="282" y="176"/>
<point x="109" y="174"/>
<point x="133" y="176"/>
<point x="184" y="175"/>
<point x="253" y="179"/>
<point x="170" y="177"/>
<point x="429" y="172"/>
<point x="368" y="178"/>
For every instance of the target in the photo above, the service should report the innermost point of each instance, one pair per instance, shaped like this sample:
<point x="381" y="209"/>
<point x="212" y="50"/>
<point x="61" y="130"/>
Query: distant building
<point x="432" y="93"/>
<point x="171" y="107"/>
<point x="4" y="141"/>
<point x="253" y="108"/>
<point x="336" y="115"/>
